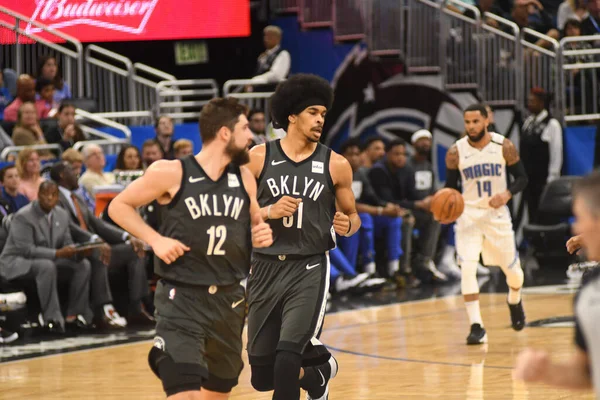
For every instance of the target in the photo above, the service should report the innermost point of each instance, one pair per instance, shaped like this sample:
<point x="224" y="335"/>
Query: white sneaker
<point x="482" y="271"/>
<point x="113" y="315"/>
<point x="13" y="298"/>
<point x="449" y="268"/>
<point x="437" y="275"/>
<point x="342" y="284"/>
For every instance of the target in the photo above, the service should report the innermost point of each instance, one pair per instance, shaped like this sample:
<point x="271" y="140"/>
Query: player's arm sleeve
<point x="519" y="182"/>
<point x="452" y="178"/>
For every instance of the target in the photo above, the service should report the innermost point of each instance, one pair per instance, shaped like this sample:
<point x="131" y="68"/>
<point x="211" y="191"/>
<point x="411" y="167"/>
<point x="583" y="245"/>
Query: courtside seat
<point x="548" y="237"/>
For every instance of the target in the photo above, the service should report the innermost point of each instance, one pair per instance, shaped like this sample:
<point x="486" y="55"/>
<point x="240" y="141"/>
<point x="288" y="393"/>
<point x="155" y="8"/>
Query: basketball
<point x="447" y="205"/>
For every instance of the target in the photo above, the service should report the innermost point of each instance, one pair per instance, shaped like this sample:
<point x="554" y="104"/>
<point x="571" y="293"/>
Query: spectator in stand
<point x="151" y="151"/>
<point x="571" y="9"/>
<point x="39" y="245"/>
<point x="29" y="167"/>
<point x="25" y="93"/>
<point x="9" y="176"/>
<point x="48" y="68"/>
<point x="183" y="148"/>
<point x="379" y="218"/>
<point x="94" y="175"/>
<point x="542" y="141"/>
<point x="257" y="125"/>
<point x="492" y="124"/>
<point x="273" y="65"/>
<point x="394" y="181"/>
<point x="62" y="133"/>
<point x="75" y="160"/>
<point x="420" y="162"/>
<point x="531" y="14"/>
<point x="27" y="131"/>
<point x="164" y="136"/>
<point x="373" y="151"/>
<point x="129" y="159"/>
<point x="125" y="252"/>
<point x="590" y="25"/>
<point x="5" y="96"/>
<point x="487" y="6"/>
<point x="45" y="104"/>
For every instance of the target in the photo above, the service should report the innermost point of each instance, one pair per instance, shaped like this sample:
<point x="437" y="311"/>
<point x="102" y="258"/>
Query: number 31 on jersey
<point x="288" y="222"/>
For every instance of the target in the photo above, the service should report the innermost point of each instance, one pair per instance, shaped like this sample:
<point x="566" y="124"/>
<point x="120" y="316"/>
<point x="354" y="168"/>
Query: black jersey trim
<point x="219" y="179"/>
<point x="266" y="163"/>
<point x="175" y="198"/>
<point x="237" y="170"/>
<point x="294" y="163"/>
<point x="328" y="173"/>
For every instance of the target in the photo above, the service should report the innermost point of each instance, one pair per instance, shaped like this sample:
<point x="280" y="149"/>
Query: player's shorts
<point x="488" y="232"/>
<point x="287" y="296"/>
<point x="200" y="329"/>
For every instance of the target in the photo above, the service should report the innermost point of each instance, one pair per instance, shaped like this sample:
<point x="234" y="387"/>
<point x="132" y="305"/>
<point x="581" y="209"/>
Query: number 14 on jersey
<point x="484" y="187"/>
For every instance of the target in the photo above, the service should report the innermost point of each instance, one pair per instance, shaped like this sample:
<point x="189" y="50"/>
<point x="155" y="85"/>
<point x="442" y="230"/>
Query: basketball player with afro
<point x="305" y="195"/>
<point x="481" y="160"/>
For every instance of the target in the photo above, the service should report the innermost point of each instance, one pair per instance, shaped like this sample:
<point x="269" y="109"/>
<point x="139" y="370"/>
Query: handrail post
<point x="18" y="47"/>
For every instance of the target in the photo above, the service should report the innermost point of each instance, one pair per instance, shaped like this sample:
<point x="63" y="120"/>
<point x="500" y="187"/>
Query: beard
<point x="424" y="151"/>
<point x="239" y="156"/>
<point x="477" y="138"/>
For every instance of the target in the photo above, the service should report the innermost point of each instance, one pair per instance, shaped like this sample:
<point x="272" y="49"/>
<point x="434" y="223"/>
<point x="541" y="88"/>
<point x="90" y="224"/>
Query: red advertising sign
<point x="125" y="20"/>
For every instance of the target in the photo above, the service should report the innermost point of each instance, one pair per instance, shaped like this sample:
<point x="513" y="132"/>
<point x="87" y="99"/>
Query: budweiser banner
<point x="124" y="20"/>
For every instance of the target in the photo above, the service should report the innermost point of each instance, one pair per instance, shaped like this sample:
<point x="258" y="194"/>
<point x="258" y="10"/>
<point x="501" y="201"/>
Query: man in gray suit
<point x="125" y="252"/>
<point x="39" y="245"/>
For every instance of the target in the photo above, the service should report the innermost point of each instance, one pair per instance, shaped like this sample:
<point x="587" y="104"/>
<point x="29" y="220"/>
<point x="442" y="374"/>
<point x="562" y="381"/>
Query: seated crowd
<point x="45" y="212"/>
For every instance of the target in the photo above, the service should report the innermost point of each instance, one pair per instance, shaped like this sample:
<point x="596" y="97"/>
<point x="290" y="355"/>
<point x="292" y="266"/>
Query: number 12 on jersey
<point x="289" y="221"/>
<point x="216" y="232"/>
<point x="485" y="186"/>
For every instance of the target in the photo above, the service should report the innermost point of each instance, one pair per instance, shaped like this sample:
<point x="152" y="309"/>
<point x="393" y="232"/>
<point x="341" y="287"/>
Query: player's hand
<point x="285" y="207"/>
<point x="500" y="199"/>
<point x="574" y="244"/>
<point x="262" y="235"/>
<point x="138" y="246"/>
<point x="532" y="365"/>
<point x="168" y="249"/>
<point x="341" y="223"/>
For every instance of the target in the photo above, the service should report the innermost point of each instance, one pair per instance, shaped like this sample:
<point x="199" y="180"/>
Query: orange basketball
<point x="447" y="205"/>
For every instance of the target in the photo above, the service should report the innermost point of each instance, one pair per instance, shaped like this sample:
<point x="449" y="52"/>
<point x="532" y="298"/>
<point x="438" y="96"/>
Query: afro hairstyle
<point x="296" y="92"/>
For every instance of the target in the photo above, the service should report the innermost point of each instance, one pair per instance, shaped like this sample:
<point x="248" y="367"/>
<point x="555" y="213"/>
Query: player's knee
<point x="468" y="281"/>
<point x="514" y="274"/>
<point x="175" y="377"/>
<point x="262" y="377"/>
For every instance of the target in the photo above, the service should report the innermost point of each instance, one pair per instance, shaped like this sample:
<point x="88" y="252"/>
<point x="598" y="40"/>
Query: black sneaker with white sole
<point x="477" y="335"/>
<point x="327" y="372"/>
<point x="517" y="315"/>
<point x="8" y="336"/>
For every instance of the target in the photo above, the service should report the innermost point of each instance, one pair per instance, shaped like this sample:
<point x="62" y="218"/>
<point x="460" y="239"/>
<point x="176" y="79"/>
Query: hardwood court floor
<point x="408" y="351"/>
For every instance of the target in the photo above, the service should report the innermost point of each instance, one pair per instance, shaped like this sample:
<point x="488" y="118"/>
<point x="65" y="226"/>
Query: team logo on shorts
<point x="172" y="294"/>
<point x="159" y="343"/>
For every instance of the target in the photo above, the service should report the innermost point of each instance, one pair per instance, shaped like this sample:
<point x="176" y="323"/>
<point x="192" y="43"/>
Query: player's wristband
<point x="269" y="211"/>
<point x="349" y="228"/>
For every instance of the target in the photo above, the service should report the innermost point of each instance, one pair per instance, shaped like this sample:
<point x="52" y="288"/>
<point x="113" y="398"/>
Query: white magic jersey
<point x="483" y="172"/>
